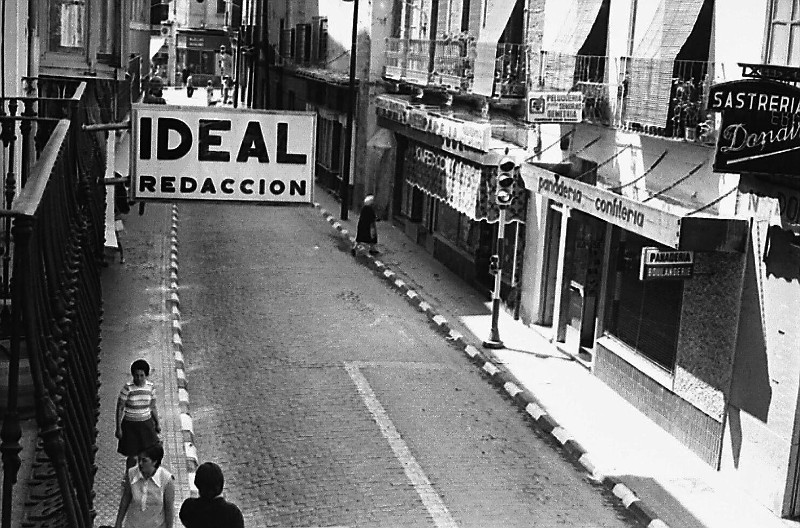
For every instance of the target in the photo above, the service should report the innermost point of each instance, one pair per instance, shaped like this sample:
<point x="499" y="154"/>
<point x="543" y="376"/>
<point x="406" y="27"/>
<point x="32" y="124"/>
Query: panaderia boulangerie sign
<point x="760" y="129"/>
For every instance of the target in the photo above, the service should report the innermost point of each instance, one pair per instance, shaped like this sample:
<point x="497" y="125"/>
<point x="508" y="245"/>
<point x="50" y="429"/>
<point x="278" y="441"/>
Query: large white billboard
<point x="222" y="154"/>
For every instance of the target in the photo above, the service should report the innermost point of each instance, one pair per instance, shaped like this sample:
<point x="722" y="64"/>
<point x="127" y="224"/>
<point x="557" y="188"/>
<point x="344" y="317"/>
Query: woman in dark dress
<point x="367" y="232"/>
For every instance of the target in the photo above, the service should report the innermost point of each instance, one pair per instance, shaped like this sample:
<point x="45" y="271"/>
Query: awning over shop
<point x="465" y="186"/>
<point x="495" y="21"/>
<point x="693" y="233"/>
<point x="156" y="43"/>
<point x="578" y="23"/>
<point x="651" y="71"/>
<point x="562" y="53"/>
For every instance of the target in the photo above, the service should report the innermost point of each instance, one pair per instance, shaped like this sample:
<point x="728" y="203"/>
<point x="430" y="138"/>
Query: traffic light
<point x="494" y="264"/>
<point x="504" y="192"/>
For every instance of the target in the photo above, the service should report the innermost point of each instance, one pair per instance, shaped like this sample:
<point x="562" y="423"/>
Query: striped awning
<point x="577" y="25"/>
<point x="496" y="18"/>
<point x="651" y="70"/>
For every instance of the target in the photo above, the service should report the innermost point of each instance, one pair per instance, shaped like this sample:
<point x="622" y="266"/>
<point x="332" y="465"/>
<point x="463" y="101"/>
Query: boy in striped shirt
<point x="137" y="418"/>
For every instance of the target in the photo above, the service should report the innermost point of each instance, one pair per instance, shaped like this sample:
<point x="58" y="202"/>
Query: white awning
<point x="156" y="44"/>
<point x="497" y="14"/>
<point x="651" y="71"/>
<point x="578" y="23"/>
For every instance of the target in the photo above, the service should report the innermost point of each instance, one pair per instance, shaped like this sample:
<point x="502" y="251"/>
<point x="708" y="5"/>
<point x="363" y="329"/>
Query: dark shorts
<point x="136" y="437"/>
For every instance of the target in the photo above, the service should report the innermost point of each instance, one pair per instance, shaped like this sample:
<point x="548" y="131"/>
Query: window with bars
<point x="784" y="33"/>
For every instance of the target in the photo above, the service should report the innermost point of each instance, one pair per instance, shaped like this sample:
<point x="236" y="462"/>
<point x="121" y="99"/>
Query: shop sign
<point x="555" y="107"/>
<point x="658" y="264"/>
<point x="213" y="154"/>
<point x="469" y="133"/>
<point x="788" y="199"/>
<point x="393" y="109"/>
<point x="628" y="214"/>
<point x="450" y="179"/>
<point x="760" y="129"/>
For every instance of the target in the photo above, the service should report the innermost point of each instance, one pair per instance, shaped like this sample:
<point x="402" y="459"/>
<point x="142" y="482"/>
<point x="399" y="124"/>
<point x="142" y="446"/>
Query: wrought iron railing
<point x="511" y="72"/>
<point x="449" y="64"/>
<point x="667" y="98"/>
<point x="650" y="96"/>
<point x="56" y="216"/>
<point x="408" y="60"/>
<point x="580" y="73"/>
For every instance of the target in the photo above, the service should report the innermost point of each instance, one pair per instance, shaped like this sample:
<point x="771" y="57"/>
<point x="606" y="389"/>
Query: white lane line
<point x="434" y="504"/>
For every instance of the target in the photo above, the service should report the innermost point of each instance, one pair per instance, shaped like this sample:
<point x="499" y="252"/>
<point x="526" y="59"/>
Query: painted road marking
<point x="434" y="504"/>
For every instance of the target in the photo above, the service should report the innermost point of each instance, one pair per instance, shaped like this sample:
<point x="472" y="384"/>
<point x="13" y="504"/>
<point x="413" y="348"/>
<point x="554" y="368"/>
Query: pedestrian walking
<point x="184" y="75"/>
<point x="210" y="509"/>
<point x="367" y="231"/>
<point x="226" y="89"/>
<point x="189" y="85"/>
<point x="137" y="417"/>
<point x="148" y="493"/>
<point x="155" y="91"/>
<point x="121" y="207"/>
<point x="210" y="93"/>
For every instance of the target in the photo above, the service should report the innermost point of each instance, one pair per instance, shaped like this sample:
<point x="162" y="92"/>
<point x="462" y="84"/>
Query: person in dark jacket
<point x="367" y="231"/>
<point x="210" y="509"/>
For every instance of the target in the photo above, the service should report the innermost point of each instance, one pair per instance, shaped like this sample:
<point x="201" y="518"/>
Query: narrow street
<point x="329" y="401"/>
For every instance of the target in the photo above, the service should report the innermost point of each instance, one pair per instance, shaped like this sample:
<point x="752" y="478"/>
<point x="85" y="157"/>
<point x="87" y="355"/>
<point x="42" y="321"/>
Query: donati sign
<point x="760" y="129"/>
<point x="215" y="154"/>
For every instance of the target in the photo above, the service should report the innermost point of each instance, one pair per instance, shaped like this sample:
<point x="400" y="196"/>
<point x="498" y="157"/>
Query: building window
<point x="644" y="315"/>
<point x="784" y="33"/>
<point x="67" y="26"/>
<point x="221" y="6"/>
<point x="456" y="228"/>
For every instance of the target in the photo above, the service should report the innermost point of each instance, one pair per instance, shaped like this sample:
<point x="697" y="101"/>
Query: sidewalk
<point x="657" y="478"/>
<point x="137" y="323"/>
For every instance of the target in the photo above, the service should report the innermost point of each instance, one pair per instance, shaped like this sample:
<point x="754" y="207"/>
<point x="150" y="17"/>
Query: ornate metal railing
<point x="54" y="305"/>
<point x="667" y="98"/>
<point x="510" y="71"/>
<point x="449" y="64"/>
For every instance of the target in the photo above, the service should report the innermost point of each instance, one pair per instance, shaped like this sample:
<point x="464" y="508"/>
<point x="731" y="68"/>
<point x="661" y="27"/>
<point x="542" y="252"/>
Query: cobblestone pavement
<point x="329" y="401"/>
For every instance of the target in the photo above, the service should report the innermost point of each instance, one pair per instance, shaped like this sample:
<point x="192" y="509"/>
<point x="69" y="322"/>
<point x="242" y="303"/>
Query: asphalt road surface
<point x="328" y="401"/>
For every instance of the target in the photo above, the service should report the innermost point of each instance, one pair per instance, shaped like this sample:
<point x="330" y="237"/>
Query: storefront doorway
<point x="550" y="265"/>
<point x="582" y="272"/>
<point x="572" y="264"/>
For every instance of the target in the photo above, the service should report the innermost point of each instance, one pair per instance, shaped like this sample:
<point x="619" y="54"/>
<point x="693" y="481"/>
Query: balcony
<point x="580" y="73"/>
<point x="652" y="97"/>
<point x="449" y="64"/>
<point x="667" y="98"/>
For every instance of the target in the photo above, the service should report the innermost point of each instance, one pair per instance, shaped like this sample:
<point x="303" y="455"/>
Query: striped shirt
<point x="137" y="401"/>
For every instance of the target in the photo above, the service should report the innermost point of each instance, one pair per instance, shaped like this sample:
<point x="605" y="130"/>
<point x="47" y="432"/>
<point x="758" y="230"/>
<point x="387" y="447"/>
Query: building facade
<point x="673" y="282"/>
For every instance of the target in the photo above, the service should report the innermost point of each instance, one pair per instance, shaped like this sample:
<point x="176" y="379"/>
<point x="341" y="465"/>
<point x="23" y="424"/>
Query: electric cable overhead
<point x="648" y="171"/>
<point x="675" y="184"/>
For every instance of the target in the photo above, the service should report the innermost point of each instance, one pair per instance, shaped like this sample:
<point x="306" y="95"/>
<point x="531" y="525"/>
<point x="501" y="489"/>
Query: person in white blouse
<point x="148" y="493"/>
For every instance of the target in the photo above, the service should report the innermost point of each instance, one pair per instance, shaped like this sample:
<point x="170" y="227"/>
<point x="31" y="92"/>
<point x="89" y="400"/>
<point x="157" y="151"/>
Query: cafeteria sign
<point x="555" y="107"/>
<point x="658" y="264"/>
<point x="760" y="129"/>
<point x="215" y="154"/>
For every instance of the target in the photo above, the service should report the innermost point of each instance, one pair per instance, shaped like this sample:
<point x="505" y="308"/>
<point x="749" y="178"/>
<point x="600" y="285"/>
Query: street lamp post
<point x="344" y="189"/>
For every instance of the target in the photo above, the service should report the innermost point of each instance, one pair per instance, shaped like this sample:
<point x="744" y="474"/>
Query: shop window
<point x="644" y="315"/>
<point x="456" y="227"/>
<point x="784" y="33"/>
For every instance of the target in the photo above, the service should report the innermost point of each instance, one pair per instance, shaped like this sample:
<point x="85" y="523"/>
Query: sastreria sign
<point x="760" y="129"/>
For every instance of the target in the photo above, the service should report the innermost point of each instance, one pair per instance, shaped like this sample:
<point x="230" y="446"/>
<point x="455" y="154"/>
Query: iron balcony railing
<point x="53" y="236"/>
<point x="450" y="64"/>
<point x="667" y="98"/>
<point x="649" y="96"/>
